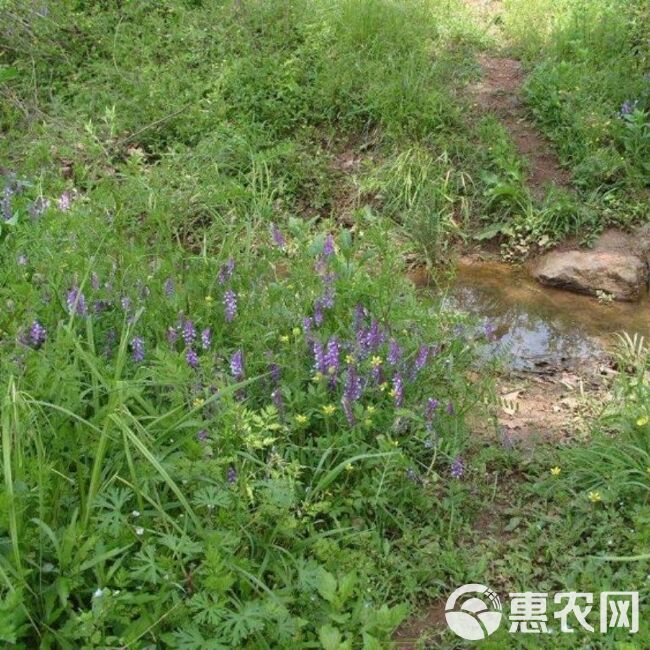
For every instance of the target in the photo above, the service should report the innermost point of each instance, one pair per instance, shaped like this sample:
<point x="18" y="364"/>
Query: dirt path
<point x="499" y="92"/>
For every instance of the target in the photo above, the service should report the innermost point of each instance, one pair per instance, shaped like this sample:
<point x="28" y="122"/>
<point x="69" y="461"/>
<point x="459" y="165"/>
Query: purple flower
<point x="94" y="281"/>
<point x="628" y="107"/>
<point x="328" y="246"/>
<point x="64" y="202"/>
<point x="202" y="435"/>
<point x="237" y="365"/>
<point x="349" y="412"/>
<point x="38" y="207"/>
<point x="412" y="476"/>
<point x="332" y="358"/>
<point x="6" y="204"/>
<point x="421" y="358"/>
<point x="37" y="334"/>
<point x="22" y="260"/>
<point x="275" y="371"/>
<point x="169" y="288"/>
<point x="231" y="476"/>
<point x="318" y="311"/>
<point x="450" y="408"/>
<point x="489" y="331"/>
<point x="189" y="332"/>
<point x="230" y="304"/>
<point x="125" y="301"/>
<point x="319" y="358"/>
<point x="375" y="336"/>
<point x="327" y="301"/>
<point x="137" y="349"/>
<point x="226" y="271"/>
<point x="276" y="396"/>
<point x="398" y="389"/>
<point x="307" y="324"/>
<point x="172" y="335"/>
<point x="432" y="405"/>
<point x="394" y="353"/>
<point x="192" y="358"/>
<point x="76" y="302"/>
<point x="457" y="467"/>
<point x="277" y="236"/>
<point x="206" y="338"/>
<point x="353" y="389"/>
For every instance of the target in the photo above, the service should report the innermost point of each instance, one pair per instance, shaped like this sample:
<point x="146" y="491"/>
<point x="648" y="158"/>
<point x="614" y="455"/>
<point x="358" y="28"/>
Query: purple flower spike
<point x="137" y="349"/>
<point x="76" y="302"/>
<point x="192" y="358"/>
<point x="332" y="359"/>
<point x="450" y="408"/>
<point x="457" y="468"/>
<point x="394" y="353"/>
<point x="189" y="332"/>
<point x="202" y="435"/>
<point x="349" y="412"/>
<point x="398" y="389"/>
<point x="237" y="365"/>
<point x="375" y="337"/>
<point x="125" y="301"/>
<point x="319" y="358"/>
<point x="328" y="247"/>
<point x="231" y="476"/>
<point x="318" y="311"/>
<point x="422" y="357"/>
<point x="206" y="338"/>
<point x="172" y="336"/>
<point x="276" y="396"/>
<point x="226" y="271"/>
<point x="37" y="335"/>
<point x="432" y="405"/>
<point x="230" y="305"/>
<point x="278" y="238"/>
<point x="169" y="288"/>
<point x="307" y="324"/>
<point x="353" y="388"/>
<point x="275" y="371"/>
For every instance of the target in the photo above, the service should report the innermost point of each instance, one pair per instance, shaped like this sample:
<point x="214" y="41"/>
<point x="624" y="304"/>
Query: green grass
<point x="151" y="499"/>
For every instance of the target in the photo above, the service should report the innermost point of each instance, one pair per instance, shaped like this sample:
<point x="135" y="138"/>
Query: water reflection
<point x="536" y="326"/>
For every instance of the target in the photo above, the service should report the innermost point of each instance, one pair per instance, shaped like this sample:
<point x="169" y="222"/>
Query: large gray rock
<point x="621" y="274"/>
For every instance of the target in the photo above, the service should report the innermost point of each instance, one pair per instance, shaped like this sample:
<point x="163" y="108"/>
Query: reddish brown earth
<point x="499" y="92"/>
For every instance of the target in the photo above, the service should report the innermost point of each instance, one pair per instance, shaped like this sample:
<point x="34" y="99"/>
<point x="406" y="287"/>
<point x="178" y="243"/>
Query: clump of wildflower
<point x="230" y="305"/>
<point x="457" y="468"/>
<point x="192" y="358"/>
<point x="125" y="302"/>
<point x="421" y="358"/>
<point x="226" y="271"/>
<point x="642" y="421"/>
<point x="307" y="324"/>
<point x="188" y="332"/>
<point x="206" y="338"/>
<point x="137" y="349"/>
<point x="348" y="411"/>
<point x="76" y="302"/>
<point x="37" y="334"/>
<point x="302" y="419"/>
<point x="231" y="475"/>
<point x="555" y="471"/>
<point x="329" y="409"/>
<point x="172" y="336"/>
<point x="318" y="311"/>
<point x="202" y="435"/>
<point x="237" y="364"/>
<point x="169" y="288"/>
<point x="628" y="107"/>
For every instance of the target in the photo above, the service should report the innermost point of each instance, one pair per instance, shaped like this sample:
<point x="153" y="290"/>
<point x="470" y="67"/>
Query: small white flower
<point x="136" y="513"/>
<point x="139" y="530"/>
<point x="98" y="594"/>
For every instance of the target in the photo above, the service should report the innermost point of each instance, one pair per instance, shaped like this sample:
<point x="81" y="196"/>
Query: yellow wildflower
<point x="301" y="419"/>
<point x="555" y="471"/>
<point x="349" y="358"/>
<point x="371" y="408"/>
<point x="198" y="401"/>
<point x="209" y="299"/>
<point x="376" y="361"/>
<point x="383" y="386"/>
<point x="318" y="376"/>
<point x="594" y="496"/>
<point x="329" y="409"/>
<point x="349" y="467"/>
<point x="284" y="339"/>
<point x="642" y="421"/>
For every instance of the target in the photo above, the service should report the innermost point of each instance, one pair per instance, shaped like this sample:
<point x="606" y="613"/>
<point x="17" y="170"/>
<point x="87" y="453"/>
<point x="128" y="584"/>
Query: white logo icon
<point x="474" y="618"/>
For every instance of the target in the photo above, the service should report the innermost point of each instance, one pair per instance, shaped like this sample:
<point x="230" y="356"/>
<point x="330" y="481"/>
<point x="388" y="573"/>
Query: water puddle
<point x="535" y="326"/>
